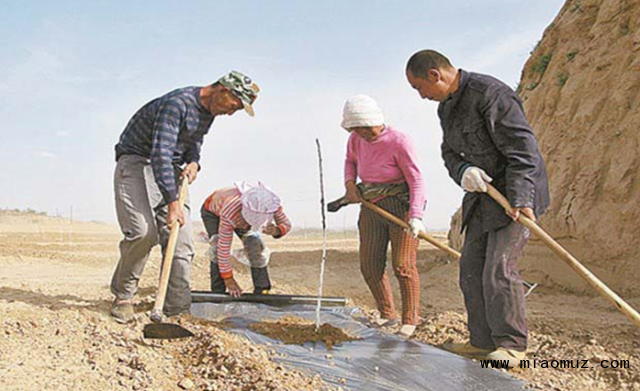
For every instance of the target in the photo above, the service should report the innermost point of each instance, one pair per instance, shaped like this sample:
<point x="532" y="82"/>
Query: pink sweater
<point x="390" y="158"/>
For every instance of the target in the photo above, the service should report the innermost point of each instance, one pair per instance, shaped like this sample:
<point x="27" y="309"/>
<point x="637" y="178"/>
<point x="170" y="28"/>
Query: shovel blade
<point x="165" y="331"/>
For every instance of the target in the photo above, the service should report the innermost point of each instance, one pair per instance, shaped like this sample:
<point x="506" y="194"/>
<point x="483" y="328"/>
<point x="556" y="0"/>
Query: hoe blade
<point x="165" y="331"/>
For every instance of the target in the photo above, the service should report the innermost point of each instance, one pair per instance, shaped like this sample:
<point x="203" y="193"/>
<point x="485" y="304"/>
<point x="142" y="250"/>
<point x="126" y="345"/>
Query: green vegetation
<point x="541" y="65"/>
<point x="532" y="86"/>
<point x="562" y="79"/>
<point x="577" y="6"/>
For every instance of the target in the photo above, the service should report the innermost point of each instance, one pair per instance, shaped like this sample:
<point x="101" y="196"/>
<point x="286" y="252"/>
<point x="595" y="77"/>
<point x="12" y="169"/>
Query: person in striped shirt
<point x="246" y="211"/>
<point x="160" y="144"/>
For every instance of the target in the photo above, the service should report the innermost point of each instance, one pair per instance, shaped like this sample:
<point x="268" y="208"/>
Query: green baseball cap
<point x="242" y="87"/>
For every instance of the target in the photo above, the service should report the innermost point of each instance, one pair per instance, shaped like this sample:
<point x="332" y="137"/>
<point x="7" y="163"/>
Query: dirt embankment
<point x="581" y="91"/>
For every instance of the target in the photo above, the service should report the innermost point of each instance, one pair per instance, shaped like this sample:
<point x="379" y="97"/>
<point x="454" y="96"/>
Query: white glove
<point x="474" y="179"/>
<point x="415" y="226"/>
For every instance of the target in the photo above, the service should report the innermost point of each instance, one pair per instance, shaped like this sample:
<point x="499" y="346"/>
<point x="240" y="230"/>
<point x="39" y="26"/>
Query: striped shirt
<point x="169" y="131"/>
<point x="226" y="204"/>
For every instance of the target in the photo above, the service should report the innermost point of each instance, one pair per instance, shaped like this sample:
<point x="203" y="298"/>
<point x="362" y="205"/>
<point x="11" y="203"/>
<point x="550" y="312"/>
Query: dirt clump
<point x="295" y="330"/>
<point x="216" y="360"/>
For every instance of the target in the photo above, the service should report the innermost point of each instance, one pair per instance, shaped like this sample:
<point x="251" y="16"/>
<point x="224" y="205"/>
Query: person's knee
<point x="144" y="234"/>
<point x="405" y="271"/>
<point x="254" y="246"/>
<point x="185" y="249"/>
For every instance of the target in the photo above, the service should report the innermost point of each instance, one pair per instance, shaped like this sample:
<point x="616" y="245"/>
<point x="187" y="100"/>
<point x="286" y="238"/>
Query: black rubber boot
<point x="217" y="283"/>
<point x="261" y="282"/>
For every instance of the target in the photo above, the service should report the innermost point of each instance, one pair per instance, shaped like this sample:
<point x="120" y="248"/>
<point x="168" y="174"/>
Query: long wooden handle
<point x="422" y="235"/>
<point x="168" y="255"/>
<point x="582" y="271"/>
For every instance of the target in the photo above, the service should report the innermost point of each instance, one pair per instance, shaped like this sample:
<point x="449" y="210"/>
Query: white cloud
<point x="62" y="133"/>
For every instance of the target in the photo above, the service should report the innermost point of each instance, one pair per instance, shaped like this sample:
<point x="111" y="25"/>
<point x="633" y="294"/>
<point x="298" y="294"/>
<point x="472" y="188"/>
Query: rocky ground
<point x="56" y="333"/>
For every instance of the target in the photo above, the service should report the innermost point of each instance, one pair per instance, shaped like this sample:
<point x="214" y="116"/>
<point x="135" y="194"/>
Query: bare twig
<point x="324" y="237"/>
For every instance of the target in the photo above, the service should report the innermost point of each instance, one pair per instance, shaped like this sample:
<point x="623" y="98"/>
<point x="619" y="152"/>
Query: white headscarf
<point x="258" y="204"/>
<point x="361" y="110"/>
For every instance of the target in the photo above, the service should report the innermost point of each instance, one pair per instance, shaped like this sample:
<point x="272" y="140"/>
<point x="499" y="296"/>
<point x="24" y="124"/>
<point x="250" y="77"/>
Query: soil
<point x="57" y="334"/>
<point x="295" y="330"/>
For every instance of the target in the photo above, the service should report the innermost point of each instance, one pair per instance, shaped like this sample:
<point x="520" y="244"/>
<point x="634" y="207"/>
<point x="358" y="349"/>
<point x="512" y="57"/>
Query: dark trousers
<point x="491" y="285"/>
<point x="259" y="276"/>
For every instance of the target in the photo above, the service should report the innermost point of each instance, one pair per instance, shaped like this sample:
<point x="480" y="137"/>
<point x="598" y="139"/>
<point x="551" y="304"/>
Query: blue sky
<point x="73" y="73"/>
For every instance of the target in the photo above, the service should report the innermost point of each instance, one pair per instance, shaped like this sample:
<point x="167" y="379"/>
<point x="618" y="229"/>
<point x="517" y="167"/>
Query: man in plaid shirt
<point x="161" y="144"/>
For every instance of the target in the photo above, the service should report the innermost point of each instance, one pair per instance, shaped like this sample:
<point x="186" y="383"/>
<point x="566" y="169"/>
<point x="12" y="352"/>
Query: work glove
<point x="415" y="226"/>
<point x="474" y="179"/>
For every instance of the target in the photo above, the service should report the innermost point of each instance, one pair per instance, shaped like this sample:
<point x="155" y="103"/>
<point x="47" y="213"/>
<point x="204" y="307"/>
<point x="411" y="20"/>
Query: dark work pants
<point x="491" y="285"/>
<point x="260" y="276"/>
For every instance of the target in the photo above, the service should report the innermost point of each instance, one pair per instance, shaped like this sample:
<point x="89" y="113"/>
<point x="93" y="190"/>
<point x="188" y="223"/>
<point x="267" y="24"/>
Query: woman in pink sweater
<point x="386" y="162"/>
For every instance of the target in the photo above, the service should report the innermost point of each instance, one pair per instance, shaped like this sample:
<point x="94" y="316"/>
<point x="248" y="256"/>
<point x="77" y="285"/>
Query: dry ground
<point x="56" y="333"/>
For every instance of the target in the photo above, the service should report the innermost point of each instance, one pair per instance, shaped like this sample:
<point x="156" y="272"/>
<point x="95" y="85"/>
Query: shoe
<point x="122" y="311"/>
<point x="406" y="331"/>
<point x="511" y="355"/>
<point x="465" y="349"/>
<point x="382" y="322"/>
<point x="169" y="313"/>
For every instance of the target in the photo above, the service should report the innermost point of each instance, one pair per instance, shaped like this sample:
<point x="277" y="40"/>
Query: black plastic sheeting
<point x="380" y="361"/>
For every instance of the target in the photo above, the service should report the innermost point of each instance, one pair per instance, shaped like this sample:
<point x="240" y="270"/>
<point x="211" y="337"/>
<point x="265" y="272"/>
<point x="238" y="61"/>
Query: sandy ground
<point x="56" y="332"/>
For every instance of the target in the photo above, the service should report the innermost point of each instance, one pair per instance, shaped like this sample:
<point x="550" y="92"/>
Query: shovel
<point x="159" y="329"/>
<point x="582" y="271"/>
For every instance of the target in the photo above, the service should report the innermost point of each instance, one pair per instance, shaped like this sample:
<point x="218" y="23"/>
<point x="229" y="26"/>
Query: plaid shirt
<point x="169" y="131"/>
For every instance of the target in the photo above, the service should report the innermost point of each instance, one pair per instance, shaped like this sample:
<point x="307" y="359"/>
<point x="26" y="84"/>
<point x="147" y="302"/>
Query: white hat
<point x="361" y="110"/>
<point x="258" y="204"/>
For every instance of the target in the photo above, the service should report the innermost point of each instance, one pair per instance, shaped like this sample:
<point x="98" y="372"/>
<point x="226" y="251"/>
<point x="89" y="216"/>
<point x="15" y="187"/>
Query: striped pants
<point x="375" y="235"/>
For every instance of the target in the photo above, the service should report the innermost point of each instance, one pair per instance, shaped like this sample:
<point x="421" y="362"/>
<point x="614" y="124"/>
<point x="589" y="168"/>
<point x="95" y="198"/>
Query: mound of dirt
<point x="581" y="91"/>
<point x="216" y="360"/>
<point x="295" y="330"/>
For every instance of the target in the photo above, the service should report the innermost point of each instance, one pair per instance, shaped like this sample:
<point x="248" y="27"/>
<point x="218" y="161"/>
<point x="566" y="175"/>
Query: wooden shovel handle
<point x="422" y="235"/>
<point x="168" y="255"/>
<point x="582" y="271"/>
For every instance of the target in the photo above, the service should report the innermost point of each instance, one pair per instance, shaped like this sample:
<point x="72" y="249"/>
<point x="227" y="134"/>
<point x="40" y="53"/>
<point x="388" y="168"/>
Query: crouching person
<point x="248" y="211"/>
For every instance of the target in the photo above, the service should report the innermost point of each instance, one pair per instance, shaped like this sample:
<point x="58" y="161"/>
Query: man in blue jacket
<point x="161" y="144"/>
<point x="487" y="138"/>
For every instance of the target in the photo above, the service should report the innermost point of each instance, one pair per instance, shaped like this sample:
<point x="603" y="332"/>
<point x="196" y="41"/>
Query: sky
<point x="73" y="74"/>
